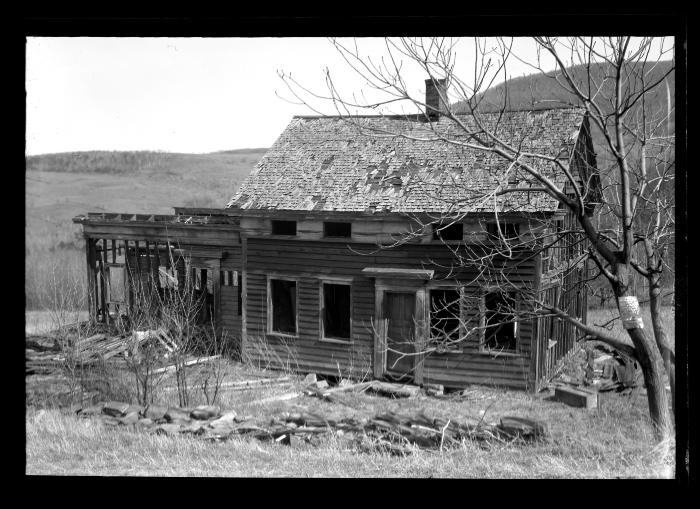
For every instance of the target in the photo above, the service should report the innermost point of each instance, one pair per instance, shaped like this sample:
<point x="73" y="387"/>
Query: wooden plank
<point x="244" y="291"/>
<point x="103" y="282"/>
<point x="91" y="284"/>
<point x="221" y="235"/>
<point x="576" y="397"/>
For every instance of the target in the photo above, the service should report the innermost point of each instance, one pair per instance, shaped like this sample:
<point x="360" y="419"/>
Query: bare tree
<point x="624" y="224"/>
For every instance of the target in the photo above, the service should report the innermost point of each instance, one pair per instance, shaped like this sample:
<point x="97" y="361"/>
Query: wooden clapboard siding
<point x="309" y="262"/>
<point x="458" y="370"/>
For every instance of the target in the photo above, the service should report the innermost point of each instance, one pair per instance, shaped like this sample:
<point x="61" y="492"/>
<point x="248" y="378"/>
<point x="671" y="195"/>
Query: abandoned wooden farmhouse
<point x="372" y="246"/>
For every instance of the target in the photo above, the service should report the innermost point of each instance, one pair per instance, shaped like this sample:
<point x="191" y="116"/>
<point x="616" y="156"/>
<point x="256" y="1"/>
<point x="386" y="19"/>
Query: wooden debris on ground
<point x="387" y="431"/>
<point x="604" y="370"/>
<point x="45" y="355"/>
<point x="393" y="390"/>
<point x="42" y="357"/>
<point x="189" y="362"/>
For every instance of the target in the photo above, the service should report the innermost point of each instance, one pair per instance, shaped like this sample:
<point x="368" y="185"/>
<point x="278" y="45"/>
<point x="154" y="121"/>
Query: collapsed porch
<point x="132" y="258"/>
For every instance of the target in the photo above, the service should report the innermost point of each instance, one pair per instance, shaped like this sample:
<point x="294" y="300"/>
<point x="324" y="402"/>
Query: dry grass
<point x="612" y="441"/>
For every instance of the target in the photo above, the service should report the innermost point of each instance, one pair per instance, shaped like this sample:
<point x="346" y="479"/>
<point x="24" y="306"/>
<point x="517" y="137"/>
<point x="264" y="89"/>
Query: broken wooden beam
<point x="394" y="390"/>
<point x="576" y="397"/>
<point x="173" y="367"/>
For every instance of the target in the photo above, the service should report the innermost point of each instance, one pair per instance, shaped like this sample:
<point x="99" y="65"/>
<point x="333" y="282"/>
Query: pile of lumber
<point x="44" y="354"/>
<point x="385" y="431"/>
<point x="98" y="347"/>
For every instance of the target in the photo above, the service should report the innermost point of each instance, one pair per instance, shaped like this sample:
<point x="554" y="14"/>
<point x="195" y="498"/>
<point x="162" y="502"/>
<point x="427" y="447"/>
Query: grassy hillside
<point x="140" y="162"/>
<point x="539" y="91"/>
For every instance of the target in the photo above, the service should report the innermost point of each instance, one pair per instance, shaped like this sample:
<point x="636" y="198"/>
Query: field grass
<point x="612" y="441"/>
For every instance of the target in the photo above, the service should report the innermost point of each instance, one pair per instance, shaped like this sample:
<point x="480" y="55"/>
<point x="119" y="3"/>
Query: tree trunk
<point x="651" y="363"/>
<point x="667" y="351"/>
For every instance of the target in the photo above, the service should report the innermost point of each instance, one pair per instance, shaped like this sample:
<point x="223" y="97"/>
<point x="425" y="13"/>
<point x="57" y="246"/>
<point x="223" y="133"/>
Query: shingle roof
<point x="368" y="164"/>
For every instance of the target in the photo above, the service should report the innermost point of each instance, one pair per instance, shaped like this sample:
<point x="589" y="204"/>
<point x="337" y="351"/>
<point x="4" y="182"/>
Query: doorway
<point x="399" y="310"/>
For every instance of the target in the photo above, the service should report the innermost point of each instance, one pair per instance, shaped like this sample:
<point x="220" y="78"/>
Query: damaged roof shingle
<point x="370" y="163"/>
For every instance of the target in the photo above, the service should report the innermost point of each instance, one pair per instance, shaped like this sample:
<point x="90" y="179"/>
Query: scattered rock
<point x="110" y="421"/>
<point x="167" y="429"/>
<point x="174" y="414"/>
<point x="145" y="423"/>
<point x="155" y="412"/>
<point x="226" y="420"/>
<point x="115" y="408"/>
<point x="135" y="408"/>
<point x="194" y="427"/>
<point x="130" y="418"/>
<point x="523" y="428"/>
<point x="322" y="384"/>
<point x="91" y="410"/>
<point x="310" y="379"/>
<point x="205" y="412"/>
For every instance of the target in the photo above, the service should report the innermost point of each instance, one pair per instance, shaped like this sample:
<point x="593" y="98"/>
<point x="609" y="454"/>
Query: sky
<point x="194" y="95"/>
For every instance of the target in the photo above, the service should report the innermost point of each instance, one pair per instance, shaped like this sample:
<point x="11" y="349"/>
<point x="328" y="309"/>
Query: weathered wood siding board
<point x="454" y="369"/>
<point x="220" y="235"/>
<point x="319" y="258"/>
<point x="308" y="263"/>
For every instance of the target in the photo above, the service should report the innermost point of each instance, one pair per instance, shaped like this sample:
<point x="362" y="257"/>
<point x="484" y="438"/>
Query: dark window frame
<point x="509" y="230"/>
<point x="283" y="227"/>
<point x="322" y="298"/>
<point x="488" y="334"/>
<point x="271" y="308"/>
<point x="448" y="232"/>
<point x="337" y="225"/>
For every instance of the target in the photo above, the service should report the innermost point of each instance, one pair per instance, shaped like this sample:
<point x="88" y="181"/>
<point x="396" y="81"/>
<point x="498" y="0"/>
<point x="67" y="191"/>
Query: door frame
<point x="418" y="289"/>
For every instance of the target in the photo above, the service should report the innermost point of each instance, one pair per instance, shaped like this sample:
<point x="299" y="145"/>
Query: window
<point x="501" y="327"/>
<point x="284" y="227"/>
<point x="454" y="231"/>
<point x="336" y="311"/>
<point x="331" y="229"/>
<point x="508" y="230"/>
<point x="116" y="291"/>
<point x="283" y="301"/>
<point x="445" y="317"/>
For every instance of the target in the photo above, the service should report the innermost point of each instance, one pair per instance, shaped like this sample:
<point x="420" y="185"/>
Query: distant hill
<point x="132" y="162"/>
<point x="540" y="91"/>
<point x="61" y="186"/>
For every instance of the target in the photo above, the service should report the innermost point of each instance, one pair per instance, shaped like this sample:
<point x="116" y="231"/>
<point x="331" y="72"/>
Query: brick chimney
<point x="433" y="90"/>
